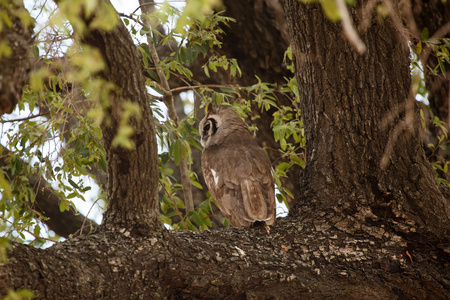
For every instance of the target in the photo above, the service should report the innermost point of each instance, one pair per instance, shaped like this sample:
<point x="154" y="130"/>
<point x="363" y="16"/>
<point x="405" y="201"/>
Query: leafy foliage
<point x="56" y="131"/>
<point x="439" y="149"/>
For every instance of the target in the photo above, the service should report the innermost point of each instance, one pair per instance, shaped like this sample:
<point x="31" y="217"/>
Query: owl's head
<point x="219" y="123"/>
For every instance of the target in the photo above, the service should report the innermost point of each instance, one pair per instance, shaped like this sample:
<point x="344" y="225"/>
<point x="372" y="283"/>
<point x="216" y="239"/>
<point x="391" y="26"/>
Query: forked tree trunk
<point x="360" y="231"/>
<point x="361" y="132"/>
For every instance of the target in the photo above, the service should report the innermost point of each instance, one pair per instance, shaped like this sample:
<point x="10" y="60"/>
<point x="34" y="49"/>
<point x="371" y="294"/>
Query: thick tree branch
<point x="312" y="260"/>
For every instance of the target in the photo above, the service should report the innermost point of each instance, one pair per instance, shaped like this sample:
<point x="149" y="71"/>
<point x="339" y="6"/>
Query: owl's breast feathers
<point x="239" y="178"/>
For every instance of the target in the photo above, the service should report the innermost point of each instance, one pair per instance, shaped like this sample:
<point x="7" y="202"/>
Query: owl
<point x="237" y="171"/>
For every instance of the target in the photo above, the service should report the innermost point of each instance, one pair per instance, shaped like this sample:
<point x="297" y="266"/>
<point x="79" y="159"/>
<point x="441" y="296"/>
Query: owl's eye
<point x="210" y="125"/>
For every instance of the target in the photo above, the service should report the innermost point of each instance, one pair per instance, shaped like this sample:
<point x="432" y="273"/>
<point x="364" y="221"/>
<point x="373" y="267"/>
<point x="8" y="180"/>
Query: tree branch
<point x="310" y="260"/>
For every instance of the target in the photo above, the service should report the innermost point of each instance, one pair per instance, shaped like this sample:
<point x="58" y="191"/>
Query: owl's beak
<point x="202" y="142"/>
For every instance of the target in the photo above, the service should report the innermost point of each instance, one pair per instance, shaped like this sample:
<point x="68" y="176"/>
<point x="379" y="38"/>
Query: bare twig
<point x="86" y="217"/>
<point x="348" y="28"/>
<point x="142" y="5"/>
<point x="24" y="119"/>
<point x="441" y="32"/>
<point x="36" y="237"/>
<point x="194" y="87"/>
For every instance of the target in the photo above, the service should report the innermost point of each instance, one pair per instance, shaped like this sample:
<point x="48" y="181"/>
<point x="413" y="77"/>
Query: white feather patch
<point x="216" y="178"/>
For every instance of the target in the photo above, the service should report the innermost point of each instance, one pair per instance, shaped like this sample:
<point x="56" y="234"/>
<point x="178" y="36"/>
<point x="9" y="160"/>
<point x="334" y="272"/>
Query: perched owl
<point x="237" y="171"/>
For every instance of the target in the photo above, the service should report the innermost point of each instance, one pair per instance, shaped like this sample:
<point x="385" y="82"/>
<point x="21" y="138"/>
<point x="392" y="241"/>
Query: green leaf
<point x="193" y="143"/>
<point x="295" y="159"/>
<point x="72" y="195"/>
<point x="281" y="198"/>
<point x="35" y="51"/>
<point x="233" y="70"/>
<point x="20" y="294"/>
<point x="226" y="89"/>
<point x="102" y="164"/>
<point x="177" y="152"/>
<point x="196" y="184"/>
<point x="72" y="183"/>
<point x="425" y="33"/>
<point x="37" y="230"/>
<point x="205" y="69"/>
<point x="441" y="65"/>
<point x="283" y="166"/>
<point x="419" y="48"/>
<point x="205" y="219"/>
<point x="64" y="205"/>
<point x="5" y="185"/>
<point x="330" y="9"/>
<point x="197" y="219"/>
<point x="165" y="219"/>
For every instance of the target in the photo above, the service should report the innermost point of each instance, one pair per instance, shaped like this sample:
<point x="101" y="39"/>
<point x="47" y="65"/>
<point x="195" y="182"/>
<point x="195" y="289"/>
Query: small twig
<point x="142" y="5"/>
<point x="193" y="87"/>
<point x="36" y="237"/>
<point x="348" y="28"/>
<point x="211" y="215"/>
<point x="186" y="183"/>
<point x="174" y="205"/>
<point x="165" y="93"/>
<point x="134" y="19"/>
<point x="42" y="8"/>
<point x="86" y="217"/>
<point x="24" y="119"/>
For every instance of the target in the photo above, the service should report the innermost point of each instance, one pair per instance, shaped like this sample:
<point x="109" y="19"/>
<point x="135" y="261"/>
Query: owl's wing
<point x="240" y="180"/>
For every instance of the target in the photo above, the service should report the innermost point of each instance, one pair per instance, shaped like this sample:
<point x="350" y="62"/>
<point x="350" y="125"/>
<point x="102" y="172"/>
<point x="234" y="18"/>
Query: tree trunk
<point x="361" y="131"/>
<point x="14" y="54"/>
<point x="132" y="187"/>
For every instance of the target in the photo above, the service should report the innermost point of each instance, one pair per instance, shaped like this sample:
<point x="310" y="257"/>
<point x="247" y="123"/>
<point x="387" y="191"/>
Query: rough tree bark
<point x="360" y="124"/>
<point x="15" y="64"/>
<point x="356" y="234"/>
